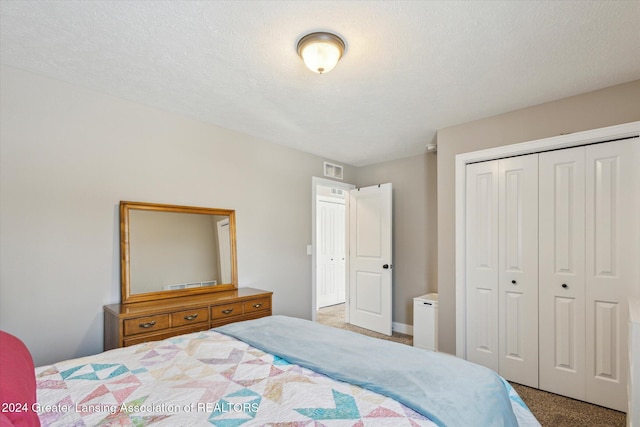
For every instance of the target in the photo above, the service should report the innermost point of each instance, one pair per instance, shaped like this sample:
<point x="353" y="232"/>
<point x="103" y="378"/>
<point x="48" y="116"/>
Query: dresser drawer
<point x="138" y="322"/>
<point x="257" y="305"/>
<point x="146" y="324"/>
<point x="168" y="333"/>
<point x="189" y="317"/>
<point x="228" y="310"/>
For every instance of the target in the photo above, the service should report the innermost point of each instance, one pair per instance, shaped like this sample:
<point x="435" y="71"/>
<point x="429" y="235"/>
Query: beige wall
<point x="606" y="107"/>
<point x="414" y="227"/>
<point x="69" y="155"/>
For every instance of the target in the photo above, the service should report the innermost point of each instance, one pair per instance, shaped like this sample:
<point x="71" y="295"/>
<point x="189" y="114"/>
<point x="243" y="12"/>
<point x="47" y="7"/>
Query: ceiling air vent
<point x="332" y="171"/>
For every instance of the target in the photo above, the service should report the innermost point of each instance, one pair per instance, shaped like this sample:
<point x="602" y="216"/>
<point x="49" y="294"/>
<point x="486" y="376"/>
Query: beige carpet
<point x="550" y="409"/>
<point x="334" y="316"/>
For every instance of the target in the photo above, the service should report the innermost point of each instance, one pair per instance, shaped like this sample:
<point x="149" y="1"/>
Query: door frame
<point x="553" y="143"/>
<point x="323" y="182"/>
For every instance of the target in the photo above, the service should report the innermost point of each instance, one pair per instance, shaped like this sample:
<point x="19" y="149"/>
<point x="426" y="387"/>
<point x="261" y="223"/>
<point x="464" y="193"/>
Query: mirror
<point x="169" y="251"/>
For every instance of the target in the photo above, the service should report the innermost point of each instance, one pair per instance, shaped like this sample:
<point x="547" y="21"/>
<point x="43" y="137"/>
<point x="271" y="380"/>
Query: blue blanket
<point x="448" y="390"/>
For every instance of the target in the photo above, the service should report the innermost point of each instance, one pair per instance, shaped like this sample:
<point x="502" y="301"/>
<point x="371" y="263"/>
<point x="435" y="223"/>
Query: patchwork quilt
<point x="448" y="390"/>
<point x="205" y="378"/>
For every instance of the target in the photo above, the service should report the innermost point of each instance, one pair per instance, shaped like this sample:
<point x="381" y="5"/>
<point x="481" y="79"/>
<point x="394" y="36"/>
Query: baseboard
<point x="402" y="328"/>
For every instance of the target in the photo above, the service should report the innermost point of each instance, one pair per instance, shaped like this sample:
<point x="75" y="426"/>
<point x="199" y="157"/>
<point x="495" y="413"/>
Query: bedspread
<point x="205" y="378"/>
<point x="449" y="390"/>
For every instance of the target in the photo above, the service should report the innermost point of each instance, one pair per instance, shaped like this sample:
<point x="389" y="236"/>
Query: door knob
<point x="564" y="285"/>
<point x="386" y="266"/>
<point x="514" y="282"/>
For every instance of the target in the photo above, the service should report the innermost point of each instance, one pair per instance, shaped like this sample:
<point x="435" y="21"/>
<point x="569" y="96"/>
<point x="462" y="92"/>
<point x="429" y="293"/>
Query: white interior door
<point x="330" y="258"/>
<point x="482" y="264"/>
<point x="518" y="269"/>
<point x="370" y="275"/>
<point x="613" y="265"/>
<point x="561" y="272"/>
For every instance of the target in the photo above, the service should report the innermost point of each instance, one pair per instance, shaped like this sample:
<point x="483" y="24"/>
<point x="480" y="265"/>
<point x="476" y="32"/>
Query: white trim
<point x="546" y="144"/>
<point x="402" y="328"/>
<point x="331" y="200"/>
<point x="315" y="182"/>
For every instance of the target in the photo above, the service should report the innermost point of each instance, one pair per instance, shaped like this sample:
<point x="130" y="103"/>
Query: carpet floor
<point x="550" y="409"/>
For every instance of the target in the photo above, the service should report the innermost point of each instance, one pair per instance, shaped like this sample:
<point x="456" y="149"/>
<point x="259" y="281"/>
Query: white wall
<point x="69" y="155"/>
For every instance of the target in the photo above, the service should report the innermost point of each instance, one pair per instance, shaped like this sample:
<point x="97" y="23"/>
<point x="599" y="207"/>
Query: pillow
<point x="17" y="383"/>
<point x="5" y="421"/>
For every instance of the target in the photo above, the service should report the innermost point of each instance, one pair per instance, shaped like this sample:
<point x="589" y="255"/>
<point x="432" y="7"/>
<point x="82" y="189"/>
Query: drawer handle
<point x="148" y="324"/>
<point x="191" y="316"/>
<point x="227" y="311"/>
<point x="258" y="305"/>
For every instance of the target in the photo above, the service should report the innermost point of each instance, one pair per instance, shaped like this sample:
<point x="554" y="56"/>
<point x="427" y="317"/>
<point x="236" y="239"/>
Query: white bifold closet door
<point x="502" y="267"/>
<point x="518" y="269"/>
<point x="553" y="254"/>
<point x="482" y="264"/>
<point x="589" y="266"/>
<point x="612" y="266"/>
<point x="562" y="272"/>
<point x="331" y="262"/>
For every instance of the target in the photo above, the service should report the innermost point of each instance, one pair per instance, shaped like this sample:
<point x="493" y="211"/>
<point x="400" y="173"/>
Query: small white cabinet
<point x="425" y="322"/>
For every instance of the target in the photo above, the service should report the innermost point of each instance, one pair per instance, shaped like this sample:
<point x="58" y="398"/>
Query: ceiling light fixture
<point x="321" y="51"/>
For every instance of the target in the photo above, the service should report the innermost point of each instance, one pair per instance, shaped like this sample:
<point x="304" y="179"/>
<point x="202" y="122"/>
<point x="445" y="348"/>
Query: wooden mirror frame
<point x="126" y="296"/>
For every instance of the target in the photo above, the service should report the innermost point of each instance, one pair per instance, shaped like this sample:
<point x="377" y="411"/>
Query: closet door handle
<point x="564" y="285"/>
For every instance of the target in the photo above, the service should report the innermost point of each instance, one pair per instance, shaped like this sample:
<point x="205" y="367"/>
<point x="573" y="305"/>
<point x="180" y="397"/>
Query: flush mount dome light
<point x="321" y="51"/>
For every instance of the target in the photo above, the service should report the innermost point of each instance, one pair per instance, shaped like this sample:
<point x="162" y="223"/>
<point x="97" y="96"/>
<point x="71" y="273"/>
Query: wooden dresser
<point x="129" y="324"/>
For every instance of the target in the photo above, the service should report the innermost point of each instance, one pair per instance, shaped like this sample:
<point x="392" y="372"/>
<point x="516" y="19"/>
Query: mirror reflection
<point x="169" y="251"/>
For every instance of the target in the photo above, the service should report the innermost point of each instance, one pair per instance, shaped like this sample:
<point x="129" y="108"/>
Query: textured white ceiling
<point x="411" y="67"/>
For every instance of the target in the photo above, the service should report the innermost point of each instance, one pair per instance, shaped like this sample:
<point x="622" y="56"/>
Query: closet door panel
<point x="561" y="272"/>
<point x="518" y="269"/>
<point x="612" y="271"/>
<point x="482" y="264"/>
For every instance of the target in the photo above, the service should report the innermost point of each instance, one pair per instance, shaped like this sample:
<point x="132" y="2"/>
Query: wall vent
<point x="332" y="170"/>
<point x="178" y="286"/>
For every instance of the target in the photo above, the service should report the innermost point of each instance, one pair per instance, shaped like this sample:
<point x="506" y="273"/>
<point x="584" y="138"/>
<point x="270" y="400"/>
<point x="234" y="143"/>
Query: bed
<point x="276" y="371"/>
